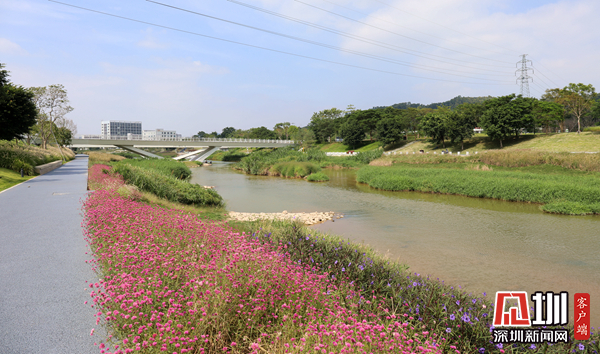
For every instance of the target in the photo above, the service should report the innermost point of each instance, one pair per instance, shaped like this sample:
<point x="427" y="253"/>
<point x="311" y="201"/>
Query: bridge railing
<point x="137" y="137"/>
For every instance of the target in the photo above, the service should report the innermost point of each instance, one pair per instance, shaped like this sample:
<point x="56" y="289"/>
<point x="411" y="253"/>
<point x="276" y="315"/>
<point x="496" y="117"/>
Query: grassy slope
<point x="341" y="147"/>
<point x="10" y="178"/>
<point x="571" y="142"/>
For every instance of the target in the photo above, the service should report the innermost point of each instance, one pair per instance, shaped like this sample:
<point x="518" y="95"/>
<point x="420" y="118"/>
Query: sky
<point x="205" y="65"/>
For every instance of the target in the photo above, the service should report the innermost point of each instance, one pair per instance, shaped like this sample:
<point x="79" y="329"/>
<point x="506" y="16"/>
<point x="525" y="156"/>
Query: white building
<point x="160" y="134"/>
<point x="120" y="129"/>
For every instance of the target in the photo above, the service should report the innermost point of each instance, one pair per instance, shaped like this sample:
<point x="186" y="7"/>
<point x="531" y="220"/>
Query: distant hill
<point x="453" y="103"/>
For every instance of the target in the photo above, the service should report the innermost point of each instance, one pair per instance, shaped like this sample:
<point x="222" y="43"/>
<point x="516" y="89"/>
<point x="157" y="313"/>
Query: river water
<point x="479" y="244"/>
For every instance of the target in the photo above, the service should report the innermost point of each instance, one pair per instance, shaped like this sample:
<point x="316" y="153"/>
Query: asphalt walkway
<point x="42" y="266"/>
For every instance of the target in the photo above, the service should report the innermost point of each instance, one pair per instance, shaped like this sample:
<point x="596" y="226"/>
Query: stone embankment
<point x="307" y="218"/>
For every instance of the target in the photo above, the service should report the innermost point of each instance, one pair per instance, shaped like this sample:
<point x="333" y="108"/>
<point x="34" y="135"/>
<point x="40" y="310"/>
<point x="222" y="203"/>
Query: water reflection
<point x="483" y="245"/>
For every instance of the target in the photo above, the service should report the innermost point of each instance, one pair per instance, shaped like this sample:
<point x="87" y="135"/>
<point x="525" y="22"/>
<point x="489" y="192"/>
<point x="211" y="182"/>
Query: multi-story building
<point x="120" y="129"/>
<point x="160" y="134"/>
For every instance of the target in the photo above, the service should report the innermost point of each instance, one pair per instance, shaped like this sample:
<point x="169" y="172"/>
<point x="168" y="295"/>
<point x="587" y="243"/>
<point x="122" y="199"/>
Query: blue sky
<point x="122" y="70"/>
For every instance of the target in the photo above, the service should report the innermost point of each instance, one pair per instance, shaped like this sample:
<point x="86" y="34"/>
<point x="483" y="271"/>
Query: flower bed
<point x="171" y="282"/>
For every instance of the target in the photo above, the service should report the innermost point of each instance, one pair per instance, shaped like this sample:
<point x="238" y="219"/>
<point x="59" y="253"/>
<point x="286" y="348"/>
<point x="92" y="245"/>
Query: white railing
<point x="138" y="137"/>
<point x="348" y="153"/>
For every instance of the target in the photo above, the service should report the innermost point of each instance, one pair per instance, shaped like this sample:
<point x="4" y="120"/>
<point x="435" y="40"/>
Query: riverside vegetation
<point x="172" y="281"/>
<point x="564" y="183"/>
<point x="288" y="162"/>
<point x="164" y="178"/>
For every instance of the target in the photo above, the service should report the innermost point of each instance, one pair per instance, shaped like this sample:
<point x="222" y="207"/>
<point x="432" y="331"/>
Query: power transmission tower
<point x="523" y="75"/>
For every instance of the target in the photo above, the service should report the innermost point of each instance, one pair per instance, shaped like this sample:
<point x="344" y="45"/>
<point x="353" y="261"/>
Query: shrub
<point x="168" y="167"/>
<point x="167" y="187"/>
<point x="317" y="177"/>
<point x="103" y="157"/>
<point x="367" y="156"/>
<point x="15" y="157"/>
<point x="294" y="169"/>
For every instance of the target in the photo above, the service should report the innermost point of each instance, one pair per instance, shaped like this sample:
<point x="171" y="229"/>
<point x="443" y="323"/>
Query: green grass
<point x="505" y="185"/>
<point x="167" y="167"/>
<point x="294" y="169"/>
<point x="166" y="186"/>
<point x="502" y="158"/>
<point x="588" y="141"/>
<point x="317" y="177"/>
<point x="341" y="147"/>
<point x="9" y="178"/>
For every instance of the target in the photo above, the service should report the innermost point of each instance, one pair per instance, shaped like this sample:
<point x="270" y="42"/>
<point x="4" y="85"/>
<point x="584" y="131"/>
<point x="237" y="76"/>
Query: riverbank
<point x="439" y="307"/>
<point x="562" y="183"/>
<point x="304" y="218"/>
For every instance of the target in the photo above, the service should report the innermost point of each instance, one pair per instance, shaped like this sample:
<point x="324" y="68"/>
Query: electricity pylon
<point x="523" y="75"/>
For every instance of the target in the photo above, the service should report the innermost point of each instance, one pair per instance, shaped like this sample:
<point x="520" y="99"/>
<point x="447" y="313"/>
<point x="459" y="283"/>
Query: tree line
<point x="34" y="113"/>
<point x="574" y="106"/>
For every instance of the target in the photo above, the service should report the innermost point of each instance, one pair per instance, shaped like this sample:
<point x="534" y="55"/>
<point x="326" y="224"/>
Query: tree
<point x="577" y="99"/>
<point x="413" y="118"/>
<point x="460" y="126"/>
<point x="303" y="136"/>
<point x="64" y="136"/>
<point x="52" y="104"/>
<point x="17" y="111"/>
<point x="474" y="111"/>
<point x="201" y="134"/>
<point x="352" y="131"/>
<point x="392" y="126"/>
<point x="261" y="133"/>
<point x="292" y="131"/>
<point x="390" y="130"/>
<point x="325" y="123"/>
<point x="282" y="130"/>
<point x="368" y="119"/>
<point x="435" y="125"/>
<point x="227" y="132"/>
<point x="547" y="114"/>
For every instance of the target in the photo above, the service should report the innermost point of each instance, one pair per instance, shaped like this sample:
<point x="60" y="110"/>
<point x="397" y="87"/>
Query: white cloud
<point x="9" y="47"/>
<point x="150" y="41"/>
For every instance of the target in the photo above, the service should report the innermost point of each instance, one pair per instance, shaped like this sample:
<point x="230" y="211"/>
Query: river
<point x="479" y="244"/>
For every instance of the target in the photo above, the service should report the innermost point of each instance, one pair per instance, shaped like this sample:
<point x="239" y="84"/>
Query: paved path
<point x="42" y="266"/>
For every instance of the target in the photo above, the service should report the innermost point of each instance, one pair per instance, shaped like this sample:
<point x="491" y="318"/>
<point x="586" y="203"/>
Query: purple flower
<point x="532" y="346"/>
<point x="482" y="350"/>
<point x="448" y="330"/>
<point x="452" y="317"/>
<point x="581" y="346"/>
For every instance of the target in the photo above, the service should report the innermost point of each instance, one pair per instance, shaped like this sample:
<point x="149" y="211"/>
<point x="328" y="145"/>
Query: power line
<point x="540" y="79"/>
<point x="446" y="27"/>
<point x="270" y="49"/>
<point x="370" y="41"/>
<point x="398" y="34"/>
<point x="367" y="55"/>
<point x="412" y="29"/>
<point x="554" y="74"/>
<point x="547" y="78"/>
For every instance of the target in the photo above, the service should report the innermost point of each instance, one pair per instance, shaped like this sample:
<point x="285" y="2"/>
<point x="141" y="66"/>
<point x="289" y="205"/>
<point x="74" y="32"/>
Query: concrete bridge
<point x="204" y="146"/>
